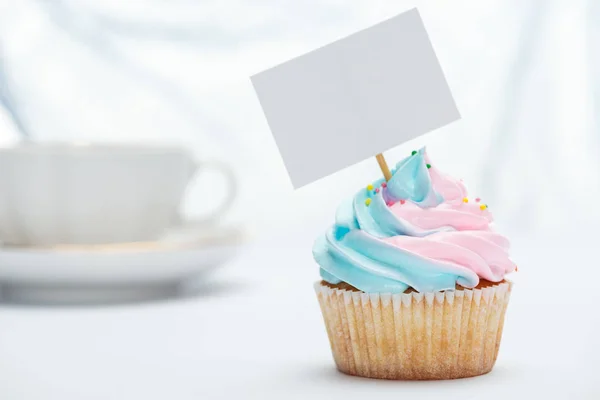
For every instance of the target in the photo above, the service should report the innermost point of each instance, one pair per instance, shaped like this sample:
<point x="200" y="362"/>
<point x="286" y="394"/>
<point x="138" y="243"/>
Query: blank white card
<point x="354" y="98"/>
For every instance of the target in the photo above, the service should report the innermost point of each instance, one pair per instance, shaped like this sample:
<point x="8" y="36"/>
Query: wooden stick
<point x="384" y="167"/>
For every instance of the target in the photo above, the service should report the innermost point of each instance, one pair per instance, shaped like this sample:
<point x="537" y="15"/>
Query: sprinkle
<point x="478" y="199"/>
<point x="367" y="202"/>
<point x="384" y="184"/>
<point x="465" y="200"/>
<point x="377" y="190"/>
<point x="428" y="166"/>
<point x="413" y="153"/>
<point x="516" y="269"/>
<point x="402" y="201"/>
<point x="369" y="187"/>
<point x="483" y="207"/>
<point x="390" y="203"/>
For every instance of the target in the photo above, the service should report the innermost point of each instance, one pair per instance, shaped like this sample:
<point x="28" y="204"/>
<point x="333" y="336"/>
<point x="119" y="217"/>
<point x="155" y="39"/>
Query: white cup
<point x="94" y="194"/>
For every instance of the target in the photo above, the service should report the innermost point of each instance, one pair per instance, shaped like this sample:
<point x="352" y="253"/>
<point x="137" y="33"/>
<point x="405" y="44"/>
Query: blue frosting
<point x="351" y="250"/>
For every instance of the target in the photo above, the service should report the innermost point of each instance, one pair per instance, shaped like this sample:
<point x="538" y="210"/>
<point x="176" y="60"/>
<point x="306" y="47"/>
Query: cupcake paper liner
<point x="415" y="336"/>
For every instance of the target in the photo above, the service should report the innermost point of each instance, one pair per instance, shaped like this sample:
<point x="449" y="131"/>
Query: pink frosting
<point x="470" y="242"/>
<point x="480" y="251"/>
<point x="452" y="190"/>
<point x="460" y="216"/>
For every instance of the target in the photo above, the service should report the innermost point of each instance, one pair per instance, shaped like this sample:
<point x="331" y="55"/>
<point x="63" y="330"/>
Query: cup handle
<point x="230" y="195"/>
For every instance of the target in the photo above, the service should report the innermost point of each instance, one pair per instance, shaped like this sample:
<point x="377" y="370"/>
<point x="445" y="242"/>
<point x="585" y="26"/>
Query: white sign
<point x="354" y="98"/>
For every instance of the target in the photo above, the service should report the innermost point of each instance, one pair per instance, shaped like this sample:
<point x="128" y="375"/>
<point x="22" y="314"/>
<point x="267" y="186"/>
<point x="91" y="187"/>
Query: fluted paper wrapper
<point x="415" y="336"/>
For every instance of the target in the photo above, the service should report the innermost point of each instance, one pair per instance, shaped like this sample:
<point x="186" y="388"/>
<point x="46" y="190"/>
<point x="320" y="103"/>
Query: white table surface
<point x="256" y="331"/>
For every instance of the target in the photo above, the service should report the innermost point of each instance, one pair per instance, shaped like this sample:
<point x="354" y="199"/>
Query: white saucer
<point x="115" y="272"/>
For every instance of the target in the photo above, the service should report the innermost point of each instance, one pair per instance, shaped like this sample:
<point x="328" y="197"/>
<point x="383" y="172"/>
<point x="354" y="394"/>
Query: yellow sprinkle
<point x="369" y="187"/>
<point x="482" y="207"/>
<point x="368" y="201"/>
<point x="465" y="200"/>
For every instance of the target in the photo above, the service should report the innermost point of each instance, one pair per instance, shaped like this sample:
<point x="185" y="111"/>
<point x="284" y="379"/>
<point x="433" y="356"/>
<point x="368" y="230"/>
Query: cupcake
<point x="413" y="278"/>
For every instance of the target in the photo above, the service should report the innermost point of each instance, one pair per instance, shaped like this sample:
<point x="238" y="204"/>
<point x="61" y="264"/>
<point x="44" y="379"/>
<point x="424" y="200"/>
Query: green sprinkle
<point x="414" y="152"/>
<point x="428" y="165"/>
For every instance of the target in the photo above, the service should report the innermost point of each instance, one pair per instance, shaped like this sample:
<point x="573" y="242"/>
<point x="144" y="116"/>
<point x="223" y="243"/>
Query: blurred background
<point x="522" y="73"/>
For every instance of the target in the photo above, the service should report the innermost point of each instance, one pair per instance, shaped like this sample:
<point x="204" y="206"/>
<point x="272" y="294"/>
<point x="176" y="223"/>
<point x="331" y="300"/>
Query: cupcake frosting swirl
<point x="417" y="230"/>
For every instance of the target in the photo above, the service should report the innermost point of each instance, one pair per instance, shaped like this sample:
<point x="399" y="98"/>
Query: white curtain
<point x="524" y="74"/>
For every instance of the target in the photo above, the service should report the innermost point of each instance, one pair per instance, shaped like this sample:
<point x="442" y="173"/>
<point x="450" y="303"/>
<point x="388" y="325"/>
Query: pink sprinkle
<point x="402" y="201"/>
<point x="384" y="184"/>
<point x="377" y="190"/>
<point x="478" y="199"/>
<point x="390" y="203"/>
